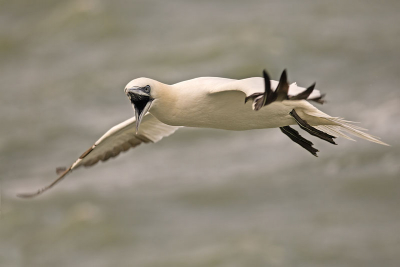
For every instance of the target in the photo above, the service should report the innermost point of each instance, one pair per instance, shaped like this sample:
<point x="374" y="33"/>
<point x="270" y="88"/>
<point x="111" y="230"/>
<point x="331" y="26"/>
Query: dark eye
<point x="147" y="88"/>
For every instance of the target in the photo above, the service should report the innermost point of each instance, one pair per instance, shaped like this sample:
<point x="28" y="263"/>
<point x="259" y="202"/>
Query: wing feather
<point x="254" y="85"/>
<point x="118" y="139"/>
<point x="122" y="137"/>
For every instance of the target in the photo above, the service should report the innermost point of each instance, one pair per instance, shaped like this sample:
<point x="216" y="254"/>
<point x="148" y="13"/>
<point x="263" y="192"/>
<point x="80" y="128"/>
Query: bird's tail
<point x="342" y="127"/>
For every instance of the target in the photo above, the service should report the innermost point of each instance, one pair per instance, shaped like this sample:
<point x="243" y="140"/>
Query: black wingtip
<point x="305" y="94"/>
<point x="267" y="83"/>
<point x="282" y="89"/>
<point x="320" y="100"/>
<point x="265" y="74"/>
<point x="281" y="92"/>
<point x="309" y="91"/>
<point x="283" y="76"/>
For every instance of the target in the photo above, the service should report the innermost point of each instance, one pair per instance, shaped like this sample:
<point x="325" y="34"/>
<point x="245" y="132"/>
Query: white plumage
<point x="212" y="102"/>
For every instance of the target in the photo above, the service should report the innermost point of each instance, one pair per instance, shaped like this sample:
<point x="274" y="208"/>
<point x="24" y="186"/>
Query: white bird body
<point x="212" y="102"/>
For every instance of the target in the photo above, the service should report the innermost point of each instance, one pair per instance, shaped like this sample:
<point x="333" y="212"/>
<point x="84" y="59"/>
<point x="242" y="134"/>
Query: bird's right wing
<point x="256" y="85"/>
<point x="116" y="140"/>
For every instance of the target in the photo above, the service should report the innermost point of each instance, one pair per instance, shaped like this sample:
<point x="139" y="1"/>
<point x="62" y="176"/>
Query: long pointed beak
<point x="139" y="114"/>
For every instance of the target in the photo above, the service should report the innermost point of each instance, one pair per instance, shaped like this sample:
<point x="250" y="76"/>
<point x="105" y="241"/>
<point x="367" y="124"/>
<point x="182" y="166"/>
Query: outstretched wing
<point x="119" y="138"/>
<point x="123" y="137"/>
<point x="256" y="85"/>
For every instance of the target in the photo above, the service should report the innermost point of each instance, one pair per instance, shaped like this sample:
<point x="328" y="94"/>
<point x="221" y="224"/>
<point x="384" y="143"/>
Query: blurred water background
<point x="200" y="197"/>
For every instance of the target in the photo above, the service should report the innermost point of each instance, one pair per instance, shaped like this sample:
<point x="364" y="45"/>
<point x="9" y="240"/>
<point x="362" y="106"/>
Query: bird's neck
<point x="165" y="104"/>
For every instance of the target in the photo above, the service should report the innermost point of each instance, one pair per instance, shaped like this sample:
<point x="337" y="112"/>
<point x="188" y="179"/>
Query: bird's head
<point x="141" y="92"/>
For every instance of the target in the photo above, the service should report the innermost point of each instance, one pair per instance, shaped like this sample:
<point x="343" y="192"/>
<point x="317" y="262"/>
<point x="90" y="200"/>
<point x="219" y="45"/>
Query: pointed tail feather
<point x="341" y="125"/>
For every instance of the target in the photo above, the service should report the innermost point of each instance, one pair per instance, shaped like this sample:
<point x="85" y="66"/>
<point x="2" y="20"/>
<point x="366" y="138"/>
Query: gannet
<point x="219" y="103"/>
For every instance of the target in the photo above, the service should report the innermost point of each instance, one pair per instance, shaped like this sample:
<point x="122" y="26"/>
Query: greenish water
<point x="200" y="197"/>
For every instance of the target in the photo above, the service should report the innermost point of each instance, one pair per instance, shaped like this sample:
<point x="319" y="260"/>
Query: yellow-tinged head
<point x="142" y="92"/>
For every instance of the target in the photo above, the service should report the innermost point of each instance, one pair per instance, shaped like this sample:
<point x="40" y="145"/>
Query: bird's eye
<point x="147" y="88"/>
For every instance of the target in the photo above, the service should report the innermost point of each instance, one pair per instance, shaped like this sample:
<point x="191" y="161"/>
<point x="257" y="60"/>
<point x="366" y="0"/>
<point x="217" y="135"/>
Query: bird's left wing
<point x="116" y="140"/>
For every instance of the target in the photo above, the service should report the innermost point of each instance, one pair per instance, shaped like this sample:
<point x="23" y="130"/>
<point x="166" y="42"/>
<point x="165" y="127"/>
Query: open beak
<point x="141" y="102"/>
<point x="139" y="114"/>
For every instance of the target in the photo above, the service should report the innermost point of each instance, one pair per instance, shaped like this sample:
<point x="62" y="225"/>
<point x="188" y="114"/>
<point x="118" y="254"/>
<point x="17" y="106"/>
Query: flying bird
<point x="219" y="103"/>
